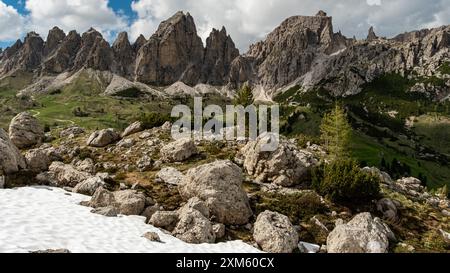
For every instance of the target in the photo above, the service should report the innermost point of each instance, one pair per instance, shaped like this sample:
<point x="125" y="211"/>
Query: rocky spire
<point x="94" y="53"/>
<point x="123" y="54"/>
<point x="372" y="36"/>
<point x="54" y="38"/>
<point x="64" y="56"/>
<point x="219" y="54"/>
<point x="174" y="53"/>
<point x="140" y="41"/>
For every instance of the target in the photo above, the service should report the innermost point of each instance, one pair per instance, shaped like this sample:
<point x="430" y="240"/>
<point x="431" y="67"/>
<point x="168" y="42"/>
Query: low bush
<point x="343" y="181"/>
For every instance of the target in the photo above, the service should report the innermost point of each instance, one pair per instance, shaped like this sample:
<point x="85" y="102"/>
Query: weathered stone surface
<point x="54" y="38"/>
<point x="134" y="128"/>
<point x="11" y="160"/>
<point x="129" y="202"/>
<point x="179" y="150"/>
<point x="37" y="160"/>
<point x="287" y="166"/>
<point x="94" y="53"/>
<point x="152" y="236"/>
<point x="275" y="233"/>
<point x="71" y="132"/>
<point x="193" y="227"/>
<point x="170" y="176"/>
<point x="388" y="208"/>
<point x="123" y="55"/>
<point x="164" y="219"/>
<point x="219" y="185"/>
<point x="64" y="56"/>
<point x="174" y="53"/>
<point x="103" y="138"/>
<point x="67" y="175"/>
<point x="363" y="234"/>
<point x="106" y="211"/>
<point x="25" y="131"/>
<point x="89" y="186"/>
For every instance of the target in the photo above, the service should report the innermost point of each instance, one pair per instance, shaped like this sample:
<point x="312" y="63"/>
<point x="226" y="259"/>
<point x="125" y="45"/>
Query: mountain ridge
<point x="303" y="51"/>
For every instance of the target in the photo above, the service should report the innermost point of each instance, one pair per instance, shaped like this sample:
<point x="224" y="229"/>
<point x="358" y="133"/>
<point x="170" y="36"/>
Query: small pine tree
<point x="336" y="132"/>
<point x="244" y="96"/>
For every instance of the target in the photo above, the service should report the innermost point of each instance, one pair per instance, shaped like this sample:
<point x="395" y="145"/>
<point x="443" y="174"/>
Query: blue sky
<point x="247" y="21"/>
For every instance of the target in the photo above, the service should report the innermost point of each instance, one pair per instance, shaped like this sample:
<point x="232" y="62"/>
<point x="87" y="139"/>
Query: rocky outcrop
<point x="64" y="56"/>
<point x="371" y="36"/>
<point x="193" y="227"/>
<point x="25" y="131"/>
<point x="123" y="55"/>
<point x="174" y="53"/>
<point x="363" y="234"/>
<point x="219" y="185"/>
<point x="37" y="160"/>
<point x="287" y="166"/>
<point x="219" y="54"/>
<point x="140" y="41"/>
<point x="164" y="219"/>
<point x="275" y="233"/>
<point x="54" y="38"/>
<point x="103" y="138"/>
<point x="94" y="53"/>
<point x="11" y="160"/>
<point x="89" y="186"/>
<point x="178" y="151"/>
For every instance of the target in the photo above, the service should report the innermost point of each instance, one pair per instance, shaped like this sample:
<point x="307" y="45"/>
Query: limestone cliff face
<point x="290" y="50"/>
<point x="63" y="58"/>
<point x="174" y="53"/>
<point x="94" y="53"/>
<point x="54" y="38"/>
<point x="219" y="54"/>
<point x="123" y="55"/>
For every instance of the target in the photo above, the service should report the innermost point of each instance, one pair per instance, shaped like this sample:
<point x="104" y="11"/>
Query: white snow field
<point x="41" y="218"/>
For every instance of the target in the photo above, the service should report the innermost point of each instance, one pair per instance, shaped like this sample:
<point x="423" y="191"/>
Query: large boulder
<point x="103" y="138"/>
<point x="274" y="233"/>
<point x="25" y="131"/>
<point x="164" y="219"/>
<point x="363" y="234"/>
<point x="179" y="150"/>
<point x="65" y="175"/>
<point x="11" y="160"/>
<point x="37" y="160"/>
<point x="219" y="185"/>
<point x="287" y="166"/>
<point x="193" y="227"/>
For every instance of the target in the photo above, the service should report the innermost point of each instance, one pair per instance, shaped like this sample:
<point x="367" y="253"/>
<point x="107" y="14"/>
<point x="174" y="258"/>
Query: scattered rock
<point x="71" y="132"/>
<point x="52" y="251"/>
<point x="219" y="185"/>
<point x="164" y="219"/>
<point x="106" y="211"/>
<point x="103" y="138"/>
<point x="363" y="234"/>
<point x="193" y="227"/>
<point x="308" y="248"/>
<point x="275" y="233"/>
<point x="169" y="176"/>
<point x="152" y="236"/>
<point x="445" y="235"/>
<point x="102" y="198"/>
<point x="145" y="163"/>
<point x="129" y="202"/>
<point x="25" y="131"/>
<point x="87" y="165"/>
<point x="126" y="143"/>
<point x="37" y="160"/>
<point x="178" y="151"/>
<point x="150" y="211"/>
<point x="134" y="128"/>
<point x="388" y="208"/>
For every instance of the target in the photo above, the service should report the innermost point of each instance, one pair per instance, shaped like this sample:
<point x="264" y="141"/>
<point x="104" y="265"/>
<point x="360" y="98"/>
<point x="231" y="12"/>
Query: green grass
<point x="445" y="68"/>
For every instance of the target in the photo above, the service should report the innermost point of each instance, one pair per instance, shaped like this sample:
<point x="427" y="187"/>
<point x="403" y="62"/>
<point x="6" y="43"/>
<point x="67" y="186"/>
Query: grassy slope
<point x="377" y="134"/>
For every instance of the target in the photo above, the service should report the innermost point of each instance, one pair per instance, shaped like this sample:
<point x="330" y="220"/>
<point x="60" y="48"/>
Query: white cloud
<point x="250" y="20"/>
<point x="77" y="15"/>
<point x="11" y="23"/>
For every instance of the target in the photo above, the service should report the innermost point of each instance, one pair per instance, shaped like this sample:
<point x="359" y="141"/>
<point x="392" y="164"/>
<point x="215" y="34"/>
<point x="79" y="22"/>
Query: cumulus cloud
<point x="247" y="21"/>
<point x="73" y="14"/>
<point x="11" y="23"/>
<point x="250" y="20"/>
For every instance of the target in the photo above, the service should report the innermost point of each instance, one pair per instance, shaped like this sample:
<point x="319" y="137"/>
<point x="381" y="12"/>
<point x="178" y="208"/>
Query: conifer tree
<point x="336" y="132"/>
<point x="244" y="96"/>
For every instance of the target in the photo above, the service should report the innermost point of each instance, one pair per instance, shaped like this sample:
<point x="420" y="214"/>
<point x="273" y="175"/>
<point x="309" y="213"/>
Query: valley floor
<point x="42" y="218"/>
